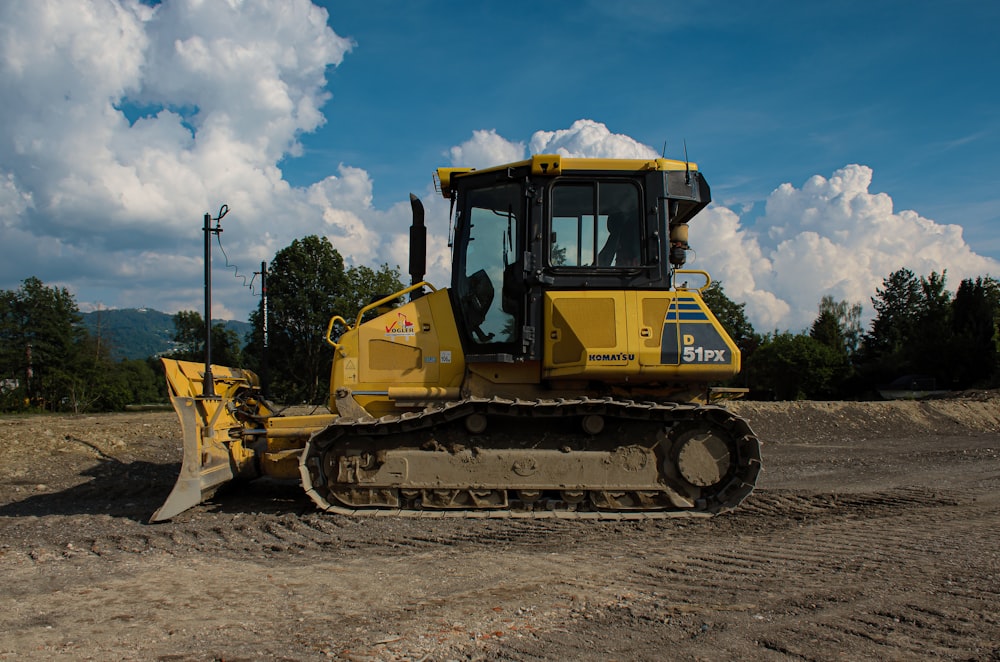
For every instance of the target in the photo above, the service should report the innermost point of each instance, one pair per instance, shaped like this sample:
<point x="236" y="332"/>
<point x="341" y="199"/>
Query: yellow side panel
<point x="580" y="326"/>
<point x="394" y="356"/>
<point x="635" y="336"/>
<point x="583" y="322"/>
<point x="414" y="345"/>
<point x="395" y="349"/>
<point x="654" y="311"/>
<point x="691" y="338"/>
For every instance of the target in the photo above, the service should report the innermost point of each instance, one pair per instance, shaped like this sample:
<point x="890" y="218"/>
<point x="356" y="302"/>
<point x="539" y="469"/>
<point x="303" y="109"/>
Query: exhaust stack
<point x="418" y="246"/>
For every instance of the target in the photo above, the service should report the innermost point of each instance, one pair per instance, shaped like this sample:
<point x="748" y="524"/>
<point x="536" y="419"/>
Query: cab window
<point x="595" y="224"/>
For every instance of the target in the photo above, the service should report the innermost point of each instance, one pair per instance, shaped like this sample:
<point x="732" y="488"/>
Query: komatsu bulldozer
<point x="564" y="373"/>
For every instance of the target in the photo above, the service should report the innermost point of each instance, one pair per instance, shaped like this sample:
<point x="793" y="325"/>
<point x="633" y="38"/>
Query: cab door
<point x="489" y="241"/>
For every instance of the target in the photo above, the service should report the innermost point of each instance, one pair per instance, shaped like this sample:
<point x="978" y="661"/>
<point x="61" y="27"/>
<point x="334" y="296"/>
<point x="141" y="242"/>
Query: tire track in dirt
<point x="813" y="589"/>
<point x="266" y="534"/>
<point x="850" y="549"/>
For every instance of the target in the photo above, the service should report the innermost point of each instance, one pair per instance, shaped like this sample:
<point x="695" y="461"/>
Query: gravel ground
<point x="872" y="535"/>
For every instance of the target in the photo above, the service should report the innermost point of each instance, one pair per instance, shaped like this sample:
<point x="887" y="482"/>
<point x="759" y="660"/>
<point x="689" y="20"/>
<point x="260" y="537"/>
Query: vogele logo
<point x="400" y="327"/>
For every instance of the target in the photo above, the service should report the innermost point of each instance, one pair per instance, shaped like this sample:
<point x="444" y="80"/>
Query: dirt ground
<point x="874" y="534"/>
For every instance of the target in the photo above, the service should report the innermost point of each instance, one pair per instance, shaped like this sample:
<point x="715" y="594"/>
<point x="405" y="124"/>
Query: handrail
<point x="699" y="272"/>
<point x="329" y="330"/>
<point x="375" y="304"/>
<point x="387" y="299"/>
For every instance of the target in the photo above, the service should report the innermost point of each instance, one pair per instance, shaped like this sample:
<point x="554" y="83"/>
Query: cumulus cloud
<point x="122" y="124"/>
<point x="831" y="236"/>
<point x="127" y="122"/>
<point x="584" y="139"/>
<point x="589" y="139"/>
<point x="486" y="149"/>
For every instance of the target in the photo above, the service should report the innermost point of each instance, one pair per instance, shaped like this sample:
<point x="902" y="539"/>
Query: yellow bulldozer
<point x="564" y="373"/>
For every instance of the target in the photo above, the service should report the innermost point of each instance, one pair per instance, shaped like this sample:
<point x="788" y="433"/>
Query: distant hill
<point x="137" y="333"/>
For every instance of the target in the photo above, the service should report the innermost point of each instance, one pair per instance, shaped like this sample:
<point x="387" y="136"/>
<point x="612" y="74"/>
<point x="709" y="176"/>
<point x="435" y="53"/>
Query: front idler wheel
<point x="704" y="458"/>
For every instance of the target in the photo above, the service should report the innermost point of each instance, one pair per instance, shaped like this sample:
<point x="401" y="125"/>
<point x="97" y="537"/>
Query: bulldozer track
<point x="412" y="428"/>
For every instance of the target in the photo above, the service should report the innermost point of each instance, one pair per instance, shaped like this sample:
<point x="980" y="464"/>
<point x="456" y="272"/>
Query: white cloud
<point x="218" y="93"/>
<point x="587" y="138"/>
<point x="832" y="236"/>
<point x="486" y="149"/>
<point x="732" y="255"/>
<point x="13" y="201"/>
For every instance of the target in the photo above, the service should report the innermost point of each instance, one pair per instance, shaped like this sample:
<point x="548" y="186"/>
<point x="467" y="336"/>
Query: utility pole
<point x="263" y="329"/>
<point x="208" y="388"/>
<point x="29" y="374"/>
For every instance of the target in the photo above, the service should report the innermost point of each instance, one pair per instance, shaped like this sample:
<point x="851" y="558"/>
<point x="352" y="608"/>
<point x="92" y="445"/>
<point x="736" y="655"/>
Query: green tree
<point x="108" y="385"/>
<point x="40" y="334"/>
<point x="838" y="326"/>
<point x="974" y="325"/>
<point x="189" y="334"/>
<point x="929" y="349"/>
<point x="841" y="326"/>
<point x="914" y="333"/>
<point x="48" y="360"/>
<point x="991" y="290"/>
<point x="897" y="303"/>
<point x="828" y="331"/>
<point x="307" y="284"/>
<point x="793" y="367"/>
<point x="132" y="381"/>
<point x="366" y="284"/>
<point x="88" y="387"/>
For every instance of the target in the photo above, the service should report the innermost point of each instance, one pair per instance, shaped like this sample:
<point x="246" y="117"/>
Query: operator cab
<point x="553" y="223"/>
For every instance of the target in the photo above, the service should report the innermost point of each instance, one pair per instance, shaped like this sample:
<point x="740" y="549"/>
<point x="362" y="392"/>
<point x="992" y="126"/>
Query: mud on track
<point x="873" y="534"/>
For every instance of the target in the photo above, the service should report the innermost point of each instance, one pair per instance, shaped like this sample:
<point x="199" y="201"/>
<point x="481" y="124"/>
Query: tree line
<point x="49" y="361"/>
<point x="922" y="336"/>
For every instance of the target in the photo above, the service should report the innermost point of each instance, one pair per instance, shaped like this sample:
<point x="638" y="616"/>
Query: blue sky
<point x="842" y="140"/>
<point x="763" y="93"/>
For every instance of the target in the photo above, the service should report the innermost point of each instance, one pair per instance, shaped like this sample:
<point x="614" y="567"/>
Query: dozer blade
<point x="214" y="452"/>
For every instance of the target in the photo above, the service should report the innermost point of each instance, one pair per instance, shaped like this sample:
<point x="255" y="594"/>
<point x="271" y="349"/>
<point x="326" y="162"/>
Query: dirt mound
<point x="776" y="422"/>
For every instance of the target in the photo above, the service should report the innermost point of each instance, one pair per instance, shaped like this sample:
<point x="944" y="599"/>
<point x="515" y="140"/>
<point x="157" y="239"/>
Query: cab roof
<point x="555" y="164"/>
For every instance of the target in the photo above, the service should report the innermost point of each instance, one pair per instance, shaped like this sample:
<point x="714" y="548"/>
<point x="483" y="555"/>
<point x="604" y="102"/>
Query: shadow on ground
<point x="134" y="490"/>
